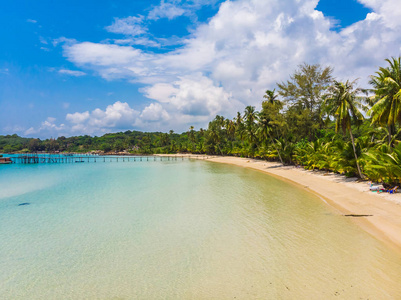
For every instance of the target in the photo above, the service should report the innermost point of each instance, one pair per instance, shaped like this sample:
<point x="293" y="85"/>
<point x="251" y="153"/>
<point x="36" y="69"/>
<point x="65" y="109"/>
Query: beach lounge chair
<point x="374" y="188"/>
<point x="393" y="190"/>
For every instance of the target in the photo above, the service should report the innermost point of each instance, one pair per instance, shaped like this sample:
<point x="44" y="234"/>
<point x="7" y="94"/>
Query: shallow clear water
<point x="179" y="230"/>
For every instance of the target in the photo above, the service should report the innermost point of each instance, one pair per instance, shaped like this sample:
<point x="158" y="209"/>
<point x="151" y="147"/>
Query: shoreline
<point x="346" y="195"/>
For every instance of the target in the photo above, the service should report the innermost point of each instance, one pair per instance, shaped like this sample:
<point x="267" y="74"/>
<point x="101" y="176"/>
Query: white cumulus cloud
<point x="247" y="47"/>
<point x="154" y="112"/>
<point x="192" y="95"/>
<point x="78" y="118"/>
<point x="116" y="116"/>
<point x="49" y="127"/>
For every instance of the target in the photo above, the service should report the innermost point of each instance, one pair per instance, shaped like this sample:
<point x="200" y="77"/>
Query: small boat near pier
<point x="5" y="160"/>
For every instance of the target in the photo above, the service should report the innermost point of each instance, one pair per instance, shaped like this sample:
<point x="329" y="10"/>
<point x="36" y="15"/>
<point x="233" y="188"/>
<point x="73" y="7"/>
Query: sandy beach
<point x="346" y="195"/>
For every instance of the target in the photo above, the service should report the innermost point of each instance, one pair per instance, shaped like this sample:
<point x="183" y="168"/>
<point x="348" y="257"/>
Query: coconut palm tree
<point x="191" y="136"/>
<point x="238" y="120"/>
<point x="250" y="116"/>
<point x="239" y="126"/>
<point x="386" y="109"/>
<point x="269" y="120"/>
<point x="230" y="129"/>
<point x="271" y="96"/>
<point x="214" y="136"/>
<point x="343" y="103"/>
<point x="264" y="133"/>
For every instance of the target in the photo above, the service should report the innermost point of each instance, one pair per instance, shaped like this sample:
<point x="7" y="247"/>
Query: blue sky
<point x="343" y="12"/>
<point x="90" y="67"/>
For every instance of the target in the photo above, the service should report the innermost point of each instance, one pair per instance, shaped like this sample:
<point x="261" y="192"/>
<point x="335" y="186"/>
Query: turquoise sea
<point x="179" y="229"/>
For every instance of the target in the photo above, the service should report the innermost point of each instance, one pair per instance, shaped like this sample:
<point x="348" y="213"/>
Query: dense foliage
<point x="129" y="141"/>
<point x="312" y="120"/>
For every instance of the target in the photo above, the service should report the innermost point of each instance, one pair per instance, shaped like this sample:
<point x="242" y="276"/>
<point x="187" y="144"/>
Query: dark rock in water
<point x="25" y="203"/>
<point x="358" y="216"/>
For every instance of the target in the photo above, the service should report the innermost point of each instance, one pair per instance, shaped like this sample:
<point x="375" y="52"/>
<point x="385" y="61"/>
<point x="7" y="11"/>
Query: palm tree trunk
<point x="278" y="152"/>
<point x="356" y="158"/>
<point x="221" y="152"/>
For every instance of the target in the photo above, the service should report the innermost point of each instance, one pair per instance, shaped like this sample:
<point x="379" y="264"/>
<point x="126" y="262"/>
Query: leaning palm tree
<point x="343" y="103"/>
<point x="386" y="109"/>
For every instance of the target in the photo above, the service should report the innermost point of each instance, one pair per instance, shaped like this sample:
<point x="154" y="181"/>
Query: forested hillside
<point x="311" y="120"/>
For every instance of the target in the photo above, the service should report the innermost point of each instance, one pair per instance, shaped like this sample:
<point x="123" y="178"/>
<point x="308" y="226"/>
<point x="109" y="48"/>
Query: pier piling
<point x="63" y="159"/>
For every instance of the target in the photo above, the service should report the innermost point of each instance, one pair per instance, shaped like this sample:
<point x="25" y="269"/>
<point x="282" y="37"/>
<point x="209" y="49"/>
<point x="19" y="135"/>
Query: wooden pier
<point x="68" y="159"/>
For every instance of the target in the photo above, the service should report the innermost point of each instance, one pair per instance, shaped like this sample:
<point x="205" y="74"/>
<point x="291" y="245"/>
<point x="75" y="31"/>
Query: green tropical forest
<point x="311" y="120"/>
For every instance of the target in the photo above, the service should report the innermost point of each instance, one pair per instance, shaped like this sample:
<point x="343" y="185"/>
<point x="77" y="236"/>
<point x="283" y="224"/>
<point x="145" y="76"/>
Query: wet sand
<point x="377" y="213"/>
